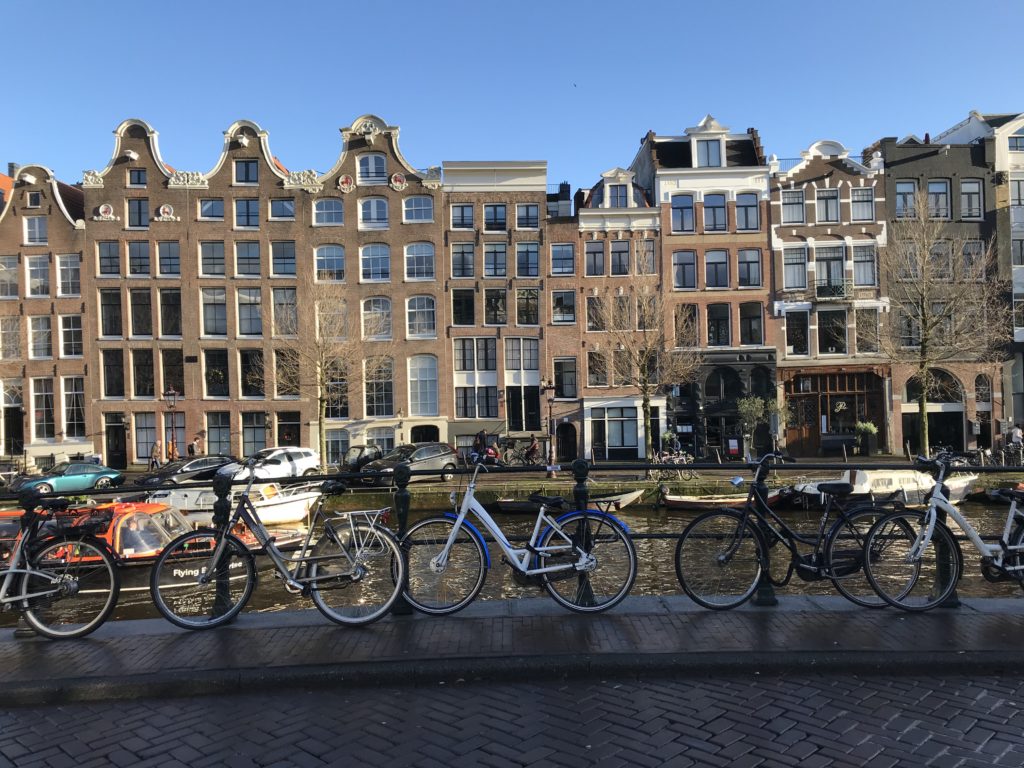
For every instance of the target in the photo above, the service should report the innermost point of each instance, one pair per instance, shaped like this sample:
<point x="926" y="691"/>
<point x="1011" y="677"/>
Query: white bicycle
<point x="913" y="561"/>
<point x="585" y="559"/>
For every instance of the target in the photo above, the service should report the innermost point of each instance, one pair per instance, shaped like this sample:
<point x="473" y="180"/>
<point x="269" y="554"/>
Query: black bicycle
<point x="723" y="555"/>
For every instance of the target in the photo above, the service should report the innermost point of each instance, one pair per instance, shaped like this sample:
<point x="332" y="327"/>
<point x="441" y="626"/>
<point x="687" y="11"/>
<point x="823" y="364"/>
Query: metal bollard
<point x="580" y="472"/>
<point x="402" y="475"/>
<point x="221" y="514"/>
<point x="581" y="495"/>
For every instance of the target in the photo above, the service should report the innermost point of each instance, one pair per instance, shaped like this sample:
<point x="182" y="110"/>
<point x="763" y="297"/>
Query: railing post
<point x="222" y="601"/>
<point x="402" y="476"/>
<point x="580" y="472"/>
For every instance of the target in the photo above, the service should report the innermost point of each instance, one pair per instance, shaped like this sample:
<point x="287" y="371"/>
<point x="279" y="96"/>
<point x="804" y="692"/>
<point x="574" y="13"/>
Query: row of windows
<point x="827" y="205"/>
<point x="717" y="269"/>
<point x="836" y="334"/>
<point x="939" y="202"/>
<point x="37" y="276"/>
<point x="715" y="216"/>
<point x="40" y="337"/>
<point x="45" y="404"/>
<point x="495" y="216"/>
<point x="829" y="266"/>
<point x="371" y="169"/>
<point x="718" y="319"/>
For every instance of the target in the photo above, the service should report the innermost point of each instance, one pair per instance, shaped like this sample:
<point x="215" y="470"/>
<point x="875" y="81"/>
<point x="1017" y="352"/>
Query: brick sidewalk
<point x="522" y="639"/>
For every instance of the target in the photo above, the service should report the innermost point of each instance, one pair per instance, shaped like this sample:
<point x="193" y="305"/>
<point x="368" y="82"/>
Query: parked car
<point x="435" y="456"/>
<point x="286" y="461"/>
<point x="358" y="455"/>
<point x="8" y="471"/>
<point x="70" y="476"/>
<point x="186" y="470"/>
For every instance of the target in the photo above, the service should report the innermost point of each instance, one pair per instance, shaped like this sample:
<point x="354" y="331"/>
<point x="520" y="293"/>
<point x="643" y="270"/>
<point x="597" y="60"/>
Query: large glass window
<point x="684" y="269"/>
<point x="282" y="258"/>
<point x="247" y="172"/>
<point x="462" y="216"/>
<point x="709" y="153"/>
<point x="718" y="325"/>
<point x="463" y="303"/>
<point x="113" y="373"/>
<point x="938" y="198"/>
<point x="380" y="397"/>
<point x="421" y="320"/>
<point x="211" y="208"/>
<point x="138" y="257"/>
<point x="862" y="202"/>
<point x="715" y="219"/>
<point x="375" y="263"/>
<point x="10" y="338"/>
<point x="145" y="434"/>
<point x="749" y="264"/>
<point x="751" y="329"/>
<point x="419" y="261"/>
<point x="215" y="364"/>
<point x="527" y="216"/>
<point x="682" y="213"/>
<point x="867" y="330"/>
<point x="38" y="275"/>
<point x="373" y="213"/>
<point x="971" y="200"/>
<point x="832" y="332"/>
<point x="463" y="256"/>
<point x="35" y="230"/>
<point x="617" y="196"/>
<point x="328" y="212"/>
<point x="71" y="344"/>
<point x="495" y="260"/>
<point x="142" y="373"/>
<point x="563" y="259"/>
<point x="905" y="205"/>
<point x="215" y="312"/>
<point x="8" y="277"/>
<point x="250" y="363"/>
<point x="620" y="257"/>
<point x="716" y="265"/>
<point x="794" y="268"/>
<point x="254" y="432"/>
<point x="283" y="208"/>
<point x="141" y="311"/>
<point x="247" y="259"/>
<point x="110" y="312"/>
<point x="423" y="395"/>
<point x="43" y="426"/>
<point x="864" y="265"/>
<point x="565" y="377"/>
<point x="169" y="257"/>
<point x="250" y="312"/>
<point x="594" y="254"/>
<point x="495" y="306"/>
<point x="138" y="213"/>
<point x="211" y="258"/>
<point x="74" y="406"/>
<point x="286" y="312"/>
<point x="218" y="433"/>
<point x="793" y="206"/>
<point x="173" y="364"/>
<point x="596" y="320"/>
<point x="828" y="206"/>
<point x="40" y="337"/>
<point x="797" y="333"/>
<point x="645" y="258"/>
<point x="494" y="218"/>
<point x="372" y="170"/>
<point x="247" y="213"/>
<point x="563" y="307"/>
<point x="528" y="306"/>
<point x="418" y="209"/>
<point x="527" y="259"/>
<point x="69" y="276"/>
<point x="330" y="263"/>
<point x="747" y="217"/>
<point x="377" y="318"/>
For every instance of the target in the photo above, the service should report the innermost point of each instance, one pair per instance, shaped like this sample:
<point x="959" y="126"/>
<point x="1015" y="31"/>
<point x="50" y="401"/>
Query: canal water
<point x="656" y="575"/>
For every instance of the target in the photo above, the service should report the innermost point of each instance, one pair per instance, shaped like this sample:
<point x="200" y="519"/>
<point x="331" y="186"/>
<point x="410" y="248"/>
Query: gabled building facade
<point x="828" y="215"/>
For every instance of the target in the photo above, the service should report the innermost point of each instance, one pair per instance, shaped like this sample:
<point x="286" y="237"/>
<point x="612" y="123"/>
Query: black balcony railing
<point x="826" y="290"/>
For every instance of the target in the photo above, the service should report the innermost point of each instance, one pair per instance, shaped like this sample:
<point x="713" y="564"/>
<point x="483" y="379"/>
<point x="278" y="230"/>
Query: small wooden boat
<point x="907" y="485"/>
<point x="704" y="503"/>
<point x="610" y="501"/>
<point x="275" y="504"/>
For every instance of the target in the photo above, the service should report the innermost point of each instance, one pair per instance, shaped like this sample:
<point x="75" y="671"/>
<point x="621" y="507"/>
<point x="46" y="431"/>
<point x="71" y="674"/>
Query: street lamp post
<point x="547" y="386"/>
<point x="171" y="447"/>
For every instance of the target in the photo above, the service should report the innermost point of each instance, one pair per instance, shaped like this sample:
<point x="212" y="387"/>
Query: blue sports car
<point x="69" y="476"/>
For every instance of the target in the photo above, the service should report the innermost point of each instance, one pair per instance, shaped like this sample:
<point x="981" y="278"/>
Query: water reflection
<point x="656" y="568"/>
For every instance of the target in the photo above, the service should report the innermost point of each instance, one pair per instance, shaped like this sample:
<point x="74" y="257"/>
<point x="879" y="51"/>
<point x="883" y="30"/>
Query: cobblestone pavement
<point x="807" y="721"/>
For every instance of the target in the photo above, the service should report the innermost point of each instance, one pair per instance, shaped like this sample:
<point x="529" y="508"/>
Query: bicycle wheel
<point x="77" y="587"/>
<point x="360" y="575"/>
<point x="193" y="592"/>
<point x="613" y="567"/>
<point x="688" y="474"/>
<point x="718" y="559"/>
<point x="844" y="557"/>
<point x="913" y="584"/>
<point x="448" y="589"/>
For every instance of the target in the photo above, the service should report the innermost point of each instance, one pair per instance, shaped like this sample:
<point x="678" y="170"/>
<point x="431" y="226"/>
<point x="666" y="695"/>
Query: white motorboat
<point x="275" y="504"/>
<point x="907" y="485"/>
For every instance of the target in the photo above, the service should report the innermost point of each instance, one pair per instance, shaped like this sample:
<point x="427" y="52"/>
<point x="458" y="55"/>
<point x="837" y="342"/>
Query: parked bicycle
<point x="680" y="458"/>
<point x="585" y="559"/>
<point x="722" y="555"/>
<point x="58" y="575"/>
<point x="915" y="561"/>
<point x="349" y="564"/>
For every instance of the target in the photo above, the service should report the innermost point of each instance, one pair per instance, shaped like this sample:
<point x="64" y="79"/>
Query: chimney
<point x="12" y="170"/>
<point x="927" y="139"/>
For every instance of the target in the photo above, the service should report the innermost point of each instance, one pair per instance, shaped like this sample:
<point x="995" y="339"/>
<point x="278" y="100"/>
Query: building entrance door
<point x="117" y="446"/>
<point x="14" y="431"/>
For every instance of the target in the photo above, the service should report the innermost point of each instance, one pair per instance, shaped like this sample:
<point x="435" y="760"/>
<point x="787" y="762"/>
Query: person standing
<point x="156" y="454"/>
<point x="172" y="451"/>
<point x="1017" y="436"/>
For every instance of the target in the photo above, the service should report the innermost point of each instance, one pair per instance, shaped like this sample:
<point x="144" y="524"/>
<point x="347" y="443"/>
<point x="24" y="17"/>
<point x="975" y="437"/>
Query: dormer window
<point x="373" y="169"/>
<point x="247" y="172"/>
<point x="709" y="153"/>
<point x="617" y="196"/>
<point x="136" y="177"/>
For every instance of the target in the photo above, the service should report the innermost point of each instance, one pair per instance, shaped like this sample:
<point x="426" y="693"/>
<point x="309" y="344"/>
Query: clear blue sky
<point x="576" y="84"/>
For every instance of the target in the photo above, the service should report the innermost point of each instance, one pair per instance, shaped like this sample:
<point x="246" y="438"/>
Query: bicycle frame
<point x="518" y="557"/>
<point x="19" y="556"/>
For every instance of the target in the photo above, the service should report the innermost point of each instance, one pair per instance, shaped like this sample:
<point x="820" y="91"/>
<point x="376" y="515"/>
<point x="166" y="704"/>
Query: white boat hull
<point x="909" y="485"/>
<point x="274" y="505"/>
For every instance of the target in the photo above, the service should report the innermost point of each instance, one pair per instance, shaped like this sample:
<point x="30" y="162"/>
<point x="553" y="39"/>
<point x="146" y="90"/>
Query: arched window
<point x="983" y="388"/>
<point x="420" y="208"/>
<point x="330" y="263"/>
<point x="372" y="169"/>
<point x="328" y="212"/>
<point x="682" y="213"/>
<point x="421" y="317"/>
<point x="375" y="263"/>
<point x="383" y="437"/>
<point x="941" y="387"/>
<point x="377" y="318"/>
<point x="419" y="261"/>
<point x="423" y="399"/>
<point x="337" y="445"/>
<point x="380" y="388"/>
<point x="373" y="213"/>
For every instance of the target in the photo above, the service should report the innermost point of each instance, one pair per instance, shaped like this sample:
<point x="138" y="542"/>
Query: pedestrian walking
<point x="156" y="455"/>
<point x="193" y="447"/>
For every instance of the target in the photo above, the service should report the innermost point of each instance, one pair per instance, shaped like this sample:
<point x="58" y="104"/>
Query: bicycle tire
<point x="719" y="559"/>
<point x="457" y="585"/>
<point x="689" y="474"/>
<point x="88" y="585"/>
<point x="912" y="585"/>
<point x="359" y="587"/>
<point x="844" y="557"/>
<point x="189" y="604"/>
<point x="613" y="575"/>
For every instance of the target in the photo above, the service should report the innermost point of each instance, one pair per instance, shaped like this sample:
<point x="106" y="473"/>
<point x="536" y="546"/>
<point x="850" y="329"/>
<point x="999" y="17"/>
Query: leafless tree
<point x="650" y="347"/>
<point x="323" y="343"/>
<point x="947" y="302"/>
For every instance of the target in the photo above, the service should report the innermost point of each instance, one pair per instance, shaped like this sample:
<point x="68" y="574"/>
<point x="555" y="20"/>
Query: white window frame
<point x="362" y="255"/>
<point x="270" y="209"/>
<point x="81" y="336"/>
<point x="30" y="262"/>
<point x="373" y="206"/>
<point x="33" y="331"/>
<point x="854" y="203"/>
<point x="405" y="210"/>
<point x="432" y="309"/>
<point x="234" y="172"/>
<point x="369" y="176"/>
<point x="826" y="194"/>
<point x="316" y="263"/>
<point x="433" y="263"/>
<point x="199" y="214"/>
<point x="33" y="223"/>
<point x="803" y="206"/>
<point x="317" y="213"/>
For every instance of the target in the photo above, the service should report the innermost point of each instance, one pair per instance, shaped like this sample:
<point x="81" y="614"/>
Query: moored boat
<point x="704" y="503"/>
<point x="907" y="485"/>
<point x="275" y="504"/>
<point x="613" y="501"/>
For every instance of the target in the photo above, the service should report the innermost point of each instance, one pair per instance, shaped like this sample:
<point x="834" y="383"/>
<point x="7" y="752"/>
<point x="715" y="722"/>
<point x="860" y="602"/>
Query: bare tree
<point x="947" y="302"/>
<point x="323" y="343"/>
<point x="650" y="347"/>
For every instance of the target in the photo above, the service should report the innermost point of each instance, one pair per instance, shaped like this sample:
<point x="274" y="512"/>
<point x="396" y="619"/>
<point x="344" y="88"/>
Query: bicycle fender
<point x="476" y="533"/>
<point x="596" y="513"/>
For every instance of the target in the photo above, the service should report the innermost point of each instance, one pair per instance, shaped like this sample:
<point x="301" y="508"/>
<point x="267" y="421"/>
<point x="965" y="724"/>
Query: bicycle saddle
<point x="547" y="501"/>
<point x="835" y="489"/>
<point x="329" y="487"/>
<point x="1011" y="493"/>
<point x="54" y="505"/>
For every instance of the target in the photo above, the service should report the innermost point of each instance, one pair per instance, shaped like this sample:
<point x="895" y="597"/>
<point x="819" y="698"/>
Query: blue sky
<point x="576" y="84"/>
